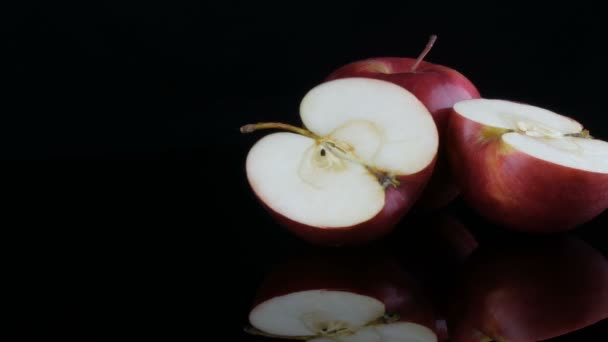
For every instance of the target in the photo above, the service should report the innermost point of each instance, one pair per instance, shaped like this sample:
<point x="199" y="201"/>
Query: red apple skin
<point x="438" y="88"/>
<point x="530" y="291"/>
<point x="516" y="190"/>
<point x="398" y="202"/>
<point x="358" y="272"/>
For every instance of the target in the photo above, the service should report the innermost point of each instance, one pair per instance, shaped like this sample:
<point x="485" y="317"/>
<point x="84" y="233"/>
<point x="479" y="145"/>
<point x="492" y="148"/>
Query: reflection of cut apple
<point x="368" y="150"/>
<point x="530" y="291"/>
<point x="525" y="167"/>
<point x="344" y="298"/>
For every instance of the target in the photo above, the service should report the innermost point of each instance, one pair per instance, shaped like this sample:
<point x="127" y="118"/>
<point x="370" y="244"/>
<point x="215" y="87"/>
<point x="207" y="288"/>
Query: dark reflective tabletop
<point x="155" y="233"/>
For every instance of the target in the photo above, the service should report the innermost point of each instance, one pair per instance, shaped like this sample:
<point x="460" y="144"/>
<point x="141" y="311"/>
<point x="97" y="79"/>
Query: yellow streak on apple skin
<point x="489" y="133"/>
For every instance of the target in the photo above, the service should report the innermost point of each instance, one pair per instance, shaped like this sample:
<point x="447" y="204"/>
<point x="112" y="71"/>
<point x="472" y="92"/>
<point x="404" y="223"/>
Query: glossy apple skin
<point x="438" y="88"/>
<point x="530" y="291"/>
<point x="360" y="272"/>
<point x="516" y="190"/>
<point x="398" y="201"/>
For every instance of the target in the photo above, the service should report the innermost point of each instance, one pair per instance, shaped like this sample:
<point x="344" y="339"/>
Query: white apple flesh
<point x="368" y="149"/>
<point x="527" y="168"/>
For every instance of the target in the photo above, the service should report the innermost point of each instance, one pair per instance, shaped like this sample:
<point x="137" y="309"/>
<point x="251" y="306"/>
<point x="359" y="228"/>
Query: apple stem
<point x="277" y="125"/>
<point x="424" y="52"/>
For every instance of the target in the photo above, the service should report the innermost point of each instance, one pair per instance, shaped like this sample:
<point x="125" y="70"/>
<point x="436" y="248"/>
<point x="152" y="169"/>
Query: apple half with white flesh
<point x="527" y="168"/>
<point x="438" y="87"/>
<point x="529" y="291"/>
<point x="367" y="152"/>
<point x="342" y="298"/>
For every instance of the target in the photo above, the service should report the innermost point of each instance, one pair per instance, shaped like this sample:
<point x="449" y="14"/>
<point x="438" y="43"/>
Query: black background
<point x="156" y="231"/>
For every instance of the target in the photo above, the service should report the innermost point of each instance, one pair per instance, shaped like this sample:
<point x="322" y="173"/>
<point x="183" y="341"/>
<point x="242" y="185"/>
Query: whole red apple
<point x="439" y="88"/>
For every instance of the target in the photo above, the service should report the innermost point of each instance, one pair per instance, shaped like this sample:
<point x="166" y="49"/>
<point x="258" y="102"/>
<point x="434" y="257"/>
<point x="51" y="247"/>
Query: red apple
<point x="527" y="168"/>
<point x="365" y="157"/>
<point x="530" y="291"/>
<point x="439" y="88"/>
<point x="341" y="297"/>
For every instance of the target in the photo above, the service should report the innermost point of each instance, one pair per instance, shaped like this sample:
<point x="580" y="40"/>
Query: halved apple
<point x="438" y="87"/>
<point x="527" y="168"/>
<point x="343" y="297"/>
<point x="365" y="157"/>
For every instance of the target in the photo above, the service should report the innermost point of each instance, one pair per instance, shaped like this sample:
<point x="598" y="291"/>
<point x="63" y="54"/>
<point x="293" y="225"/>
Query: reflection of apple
<point x="368" y="151"/>
<point x="433" y="249"/>
<point x="342" y="297"/>
<point x="527" y="168"/>
<point x="438" y="87"/>
<point x="530" y="291"/>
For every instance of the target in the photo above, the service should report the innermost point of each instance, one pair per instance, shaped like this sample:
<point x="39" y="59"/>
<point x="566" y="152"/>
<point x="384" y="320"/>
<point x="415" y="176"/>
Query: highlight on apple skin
<point x="527" y="168"/>
<point x="438" y="87"/>
<point x="364" y="158"/>
<point x="341" y="297"/>
<point x="530" y="291"/>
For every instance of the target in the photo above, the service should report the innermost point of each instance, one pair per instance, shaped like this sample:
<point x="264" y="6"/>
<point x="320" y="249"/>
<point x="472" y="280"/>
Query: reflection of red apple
<point x="364" y="159"/>
<point x="433" y="249"/>
<point x="527" y="168"/>
<point x="530" y="291"/>
<point x="342" y="297"/>
<point x="438" y="87"/>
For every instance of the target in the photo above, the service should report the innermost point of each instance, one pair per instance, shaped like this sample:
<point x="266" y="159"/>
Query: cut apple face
<point x="538" y="132"/>
<point x="362" y="135"/>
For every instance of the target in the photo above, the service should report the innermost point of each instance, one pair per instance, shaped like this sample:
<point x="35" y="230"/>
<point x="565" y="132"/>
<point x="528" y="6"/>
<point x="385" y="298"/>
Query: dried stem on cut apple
<point x="278" y="125"/>
<point x="424" y="52"/>
<point x="385" y="179"/>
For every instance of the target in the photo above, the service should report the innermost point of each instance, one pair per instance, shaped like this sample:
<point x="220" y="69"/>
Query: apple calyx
<point x="330" y="154"/>
<point x="331" y="328"/>
<point x="427" y="49"/>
